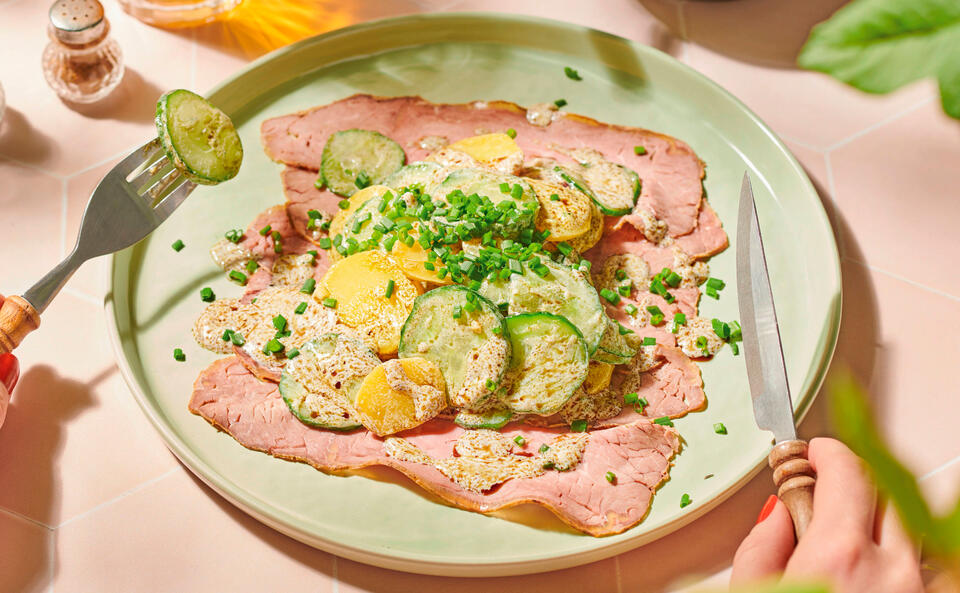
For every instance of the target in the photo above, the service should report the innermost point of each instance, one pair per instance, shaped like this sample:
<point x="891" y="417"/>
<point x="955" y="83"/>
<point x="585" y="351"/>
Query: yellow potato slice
<point x="339" y="221"/>
<point x="493" y="150"/>
<point x="400" y="394"/>
<point x="568" y="216"/>
<point x="598" y="377"/>
<point x="358" y="283"/>
<point x="592" y="236"/>
<point x="411" y="260"/>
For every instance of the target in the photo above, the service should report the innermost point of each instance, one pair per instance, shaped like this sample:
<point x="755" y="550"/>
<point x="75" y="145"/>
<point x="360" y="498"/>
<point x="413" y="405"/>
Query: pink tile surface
<point x="84" y="478"/>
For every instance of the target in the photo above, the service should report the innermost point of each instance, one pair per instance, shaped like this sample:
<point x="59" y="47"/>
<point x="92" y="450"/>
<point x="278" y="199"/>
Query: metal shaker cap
<point x="78" y="22"/>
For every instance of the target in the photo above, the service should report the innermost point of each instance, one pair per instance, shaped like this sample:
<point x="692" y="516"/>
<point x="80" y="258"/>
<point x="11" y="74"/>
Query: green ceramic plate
<point x="460" y="57"/>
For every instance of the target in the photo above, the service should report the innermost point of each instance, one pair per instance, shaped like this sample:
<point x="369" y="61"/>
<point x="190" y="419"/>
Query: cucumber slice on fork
<point x="199" y="139"/>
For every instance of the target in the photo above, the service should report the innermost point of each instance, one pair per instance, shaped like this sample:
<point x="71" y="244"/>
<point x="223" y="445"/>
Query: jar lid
<point x="77" y="22"/>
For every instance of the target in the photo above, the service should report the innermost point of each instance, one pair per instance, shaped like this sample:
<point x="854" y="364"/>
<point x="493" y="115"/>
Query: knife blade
<point x="766" y="370"/>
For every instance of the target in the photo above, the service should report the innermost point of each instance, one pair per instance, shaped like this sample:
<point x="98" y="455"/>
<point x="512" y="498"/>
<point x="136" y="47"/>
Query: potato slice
<point x="498" y="151"/>
<point x="411" y="261"/>
<point x="339" y="222"/>
<point x="358" y="283"/>
<point x="568" y="216"/>
<point x="400" y="394"/>
<point x="592" y="236"/>
<point x="598" y="377"/>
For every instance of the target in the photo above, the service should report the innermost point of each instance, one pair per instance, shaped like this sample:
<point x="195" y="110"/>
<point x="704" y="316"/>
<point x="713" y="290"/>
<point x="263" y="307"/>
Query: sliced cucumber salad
<point x="614" y="347"/>
<point x="320" y="385"/>
<point x="354" y="159"/>
<point x="199" y="139"/>
<point x="506" y="191"/>
<point x="465" y="335"/>
<point x="549" y="363"/>
<point x="493" y="419"/>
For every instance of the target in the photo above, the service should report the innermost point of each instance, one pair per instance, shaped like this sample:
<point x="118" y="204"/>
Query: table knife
<point x="766" y="371"/>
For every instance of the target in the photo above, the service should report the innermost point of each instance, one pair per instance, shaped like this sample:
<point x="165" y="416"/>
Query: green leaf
<point x="855" y="426"/>
<point x="880" y="45"/>
<point x="782" y="588"/>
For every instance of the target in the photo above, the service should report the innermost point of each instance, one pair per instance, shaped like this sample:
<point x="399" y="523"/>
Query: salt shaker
<point x="82" y="63"/>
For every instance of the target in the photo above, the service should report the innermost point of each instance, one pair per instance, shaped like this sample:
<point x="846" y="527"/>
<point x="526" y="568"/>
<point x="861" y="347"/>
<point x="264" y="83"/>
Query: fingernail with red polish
<point x="9" y="371"/>
<point x="767" y="508"/>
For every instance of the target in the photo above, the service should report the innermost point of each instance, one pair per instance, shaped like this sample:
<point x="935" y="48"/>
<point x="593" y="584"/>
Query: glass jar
<point x="82" y="63"/>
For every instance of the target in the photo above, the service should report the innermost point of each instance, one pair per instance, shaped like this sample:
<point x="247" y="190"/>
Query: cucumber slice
<point x="354" y="159"/>
<point x="198" y="138"/>
<point x="488" y="183"/>
<point x="320" y="385"/>
<point x="549" y="363"/>
<point x="425" y="174"/>
<point x="615" y="187"/>
<point x="492" y="420"/>
<point x="472" y="349"/>
<point x="564" y="291"/>
<point x="613" y="347"/>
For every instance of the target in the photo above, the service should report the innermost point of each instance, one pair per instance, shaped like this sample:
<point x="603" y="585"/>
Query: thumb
<point x="764" y="552"/>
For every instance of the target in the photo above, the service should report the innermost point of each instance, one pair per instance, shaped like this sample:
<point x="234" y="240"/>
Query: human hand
<point x="849" y="544"/>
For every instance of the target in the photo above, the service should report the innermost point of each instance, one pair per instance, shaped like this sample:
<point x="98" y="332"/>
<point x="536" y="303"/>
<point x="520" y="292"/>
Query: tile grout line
<point x="682" y="22"/>
<point x="100" y="163"/>
<point x="89" y="298"/>
<point x="63" y="218"/>
<point x="802" y="144"/>
<point x="879" y="124"/>
<point x="117" y="498"/>
<point x="939" y="469"/>
<point x="31" y="166"/>
<point x="335" y="575"/>
<point x="22" y="517"/>
<point x="616" y="573"/>
<point x="51" y="553"/>
<point x="904" y="279"/>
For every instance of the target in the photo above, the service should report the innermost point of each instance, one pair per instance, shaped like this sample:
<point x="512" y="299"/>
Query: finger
<point x="766" y="549"/>
<point x="890" y="534"/>
<point x="844" y="493"/>
<point x="9" y="371"/>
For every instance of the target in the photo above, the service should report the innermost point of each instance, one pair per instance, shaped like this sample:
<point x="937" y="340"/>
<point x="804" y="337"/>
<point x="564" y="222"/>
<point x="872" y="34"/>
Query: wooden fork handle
<point x="795" y="479"/>
<point x="17" y="319"/>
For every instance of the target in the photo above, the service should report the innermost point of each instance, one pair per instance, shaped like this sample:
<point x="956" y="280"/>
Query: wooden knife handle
<point x="795" y="479"/>
<point x="17" y="319"/>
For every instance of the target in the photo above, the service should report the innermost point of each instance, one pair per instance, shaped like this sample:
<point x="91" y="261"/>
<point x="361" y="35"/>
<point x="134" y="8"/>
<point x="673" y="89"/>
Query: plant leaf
<point x="773" y="587"/>
<point x="855" y="426"/>
<point x="880" y="45"/>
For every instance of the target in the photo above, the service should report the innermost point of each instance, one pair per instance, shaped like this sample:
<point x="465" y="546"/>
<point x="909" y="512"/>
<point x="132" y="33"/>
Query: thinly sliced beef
<point x="709" y="237"/>
<point x="669" y="170"/>
<point x="303" y="196"/>
<point x="672" y="389"/>
<point x="639" y="453"/>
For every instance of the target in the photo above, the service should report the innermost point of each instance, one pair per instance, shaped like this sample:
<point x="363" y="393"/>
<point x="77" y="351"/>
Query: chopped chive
<point x="578" y="426"/>
<point x="716" y="283"/>
<point x="511" y="132"/>
<point x="301" y="308"/>
<point x="712" y="293"/>
<point x="720" y="328"/>
<point x="736" y="332"/>
<point x="642" y="403"/>
<point x="206" y="294"/>
<point x="226" y="335"/>
<point x="663" y="421"/>
<point x="649" y="341"/>
<point x="490" y="385"/>
<point x="497" y="330"/>
<point x="685" y="500"/>
<point x="178" y="355"/>
<point x="309" y="285"/>
<point x="233" y="235"/>
<point x="680" y="319"/>
<point x="251" y="266"/>
<point x="656" y="320"/>
<point x="611" y="477"/>
<point x="504" y="188"/>
<point x="273" y="346"/>
<point x="621" y="275"/>
<point x="631" y="398"/>
<point x="277" y="246"/>
<point x="639" y="150"/>
<point x="623" y="330"/>
<point x="457" y="312"/>
<point x="388" y="291"/>
<point x="560" y="103"/>
<point x="343" y="204"/>
<point x="624" y="289"/>
<point x="571" y="73"/>
<point x="554" y="198"/>
<point x="280" y="323"/>
<point x="429" y="266"/>
<point x="611" y="296"/>
<point x="548" y="465"/>
<point x="329" y="302"/>
<point x="363" y="180"/>
<point x="631" y="309"/>
<point x="672" y="279"/>
<point x="265" y="231"/>
<point x="239" y="277"/>
<point x="544" y="448"/>
<point x="318" y="183"/>
<point x="719" y="428"/>
<point x="237" y="339"/>
<point x="177" y="245"/>
<point x="516" y="192"/>
<point x="734" y="348"/>
<point x="520" y="440"/>
<point x="293" y="353"/>
<point x="313" y="214"/>
<point x="325" y="243"/>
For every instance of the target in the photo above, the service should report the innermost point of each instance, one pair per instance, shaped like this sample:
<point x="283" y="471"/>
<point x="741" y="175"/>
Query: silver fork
<point x="138" y="194"/>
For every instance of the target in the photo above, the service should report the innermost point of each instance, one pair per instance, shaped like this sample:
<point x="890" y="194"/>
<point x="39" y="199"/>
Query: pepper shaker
<point x="82" y="63"/>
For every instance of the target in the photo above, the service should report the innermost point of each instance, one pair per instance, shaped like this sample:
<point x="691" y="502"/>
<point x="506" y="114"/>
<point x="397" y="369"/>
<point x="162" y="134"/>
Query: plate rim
<point x="418" y="563"/>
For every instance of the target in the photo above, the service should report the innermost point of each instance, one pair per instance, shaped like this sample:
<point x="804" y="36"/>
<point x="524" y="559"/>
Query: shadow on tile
<point x="766" y="32"/>
<point x="24" y="555"/>
<point x="21" y="140"/>
<point x="134" y="100"/>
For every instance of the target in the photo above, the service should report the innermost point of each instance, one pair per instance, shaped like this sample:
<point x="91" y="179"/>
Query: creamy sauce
<point x="428" y="401"/>
<point x="433" y="143"/>
<point x="292" y="270"/>
<point x="697" y="327"/>
<point x="231" y="256"/>
<point x="483" y="362"/>
<point x="541" y="114"/>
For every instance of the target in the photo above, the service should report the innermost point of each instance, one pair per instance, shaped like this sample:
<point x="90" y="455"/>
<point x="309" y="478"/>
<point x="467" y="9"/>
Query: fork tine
<point x="157" y="162"/>
<point x="154" y="193"/>
<point x="137" y="157"/>
<point x="173" y="199"/>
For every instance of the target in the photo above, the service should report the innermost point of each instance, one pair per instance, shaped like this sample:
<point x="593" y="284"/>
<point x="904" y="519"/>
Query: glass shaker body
<point x="82" y="63"/>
